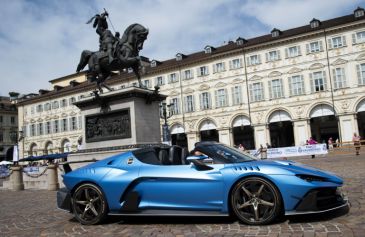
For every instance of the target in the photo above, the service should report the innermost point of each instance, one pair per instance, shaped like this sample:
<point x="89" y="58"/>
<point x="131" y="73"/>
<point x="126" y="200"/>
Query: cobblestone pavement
<point x="34" y="213"/>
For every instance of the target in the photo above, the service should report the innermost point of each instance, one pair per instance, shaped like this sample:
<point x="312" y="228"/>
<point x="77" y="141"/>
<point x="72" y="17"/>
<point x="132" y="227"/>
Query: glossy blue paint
<point x="185" y="187"/>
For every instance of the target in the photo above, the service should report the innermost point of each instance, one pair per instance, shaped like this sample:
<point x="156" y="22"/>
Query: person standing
<point x="356" y="140"/>
<point x="311" y="141"/>
<point x="330" y="144"/>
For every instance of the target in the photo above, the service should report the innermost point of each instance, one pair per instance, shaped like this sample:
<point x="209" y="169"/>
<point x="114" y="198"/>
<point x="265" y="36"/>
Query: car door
<point x="181" y="187"/>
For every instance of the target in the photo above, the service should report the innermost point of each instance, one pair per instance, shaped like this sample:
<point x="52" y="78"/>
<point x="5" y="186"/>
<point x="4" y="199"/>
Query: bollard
<point x="264" y="153"/>
<point x="52" y="177"/>
<point x="17" y="178"/>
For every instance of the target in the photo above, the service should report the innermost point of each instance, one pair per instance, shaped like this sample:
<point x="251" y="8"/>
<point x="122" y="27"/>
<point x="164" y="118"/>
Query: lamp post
<point x="165" y="113"/>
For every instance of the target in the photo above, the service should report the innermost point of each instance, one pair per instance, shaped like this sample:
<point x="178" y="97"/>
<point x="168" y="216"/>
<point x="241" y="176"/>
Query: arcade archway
<point x="243" y="132"/>
<point x="323" y="123"/>
<point x="281" y="129"/>
<point x="65" y="146"/>
<point x="48" y="148"/>
<point x="33" y="149"/>
<point x="208" y="131"/>
<point x="178" y="136"/>
<point x="361" y="118"/>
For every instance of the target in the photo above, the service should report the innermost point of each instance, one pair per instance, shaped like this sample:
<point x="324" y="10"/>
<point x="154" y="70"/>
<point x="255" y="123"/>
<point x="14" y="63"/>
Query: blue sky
<point x="41" y="40"/>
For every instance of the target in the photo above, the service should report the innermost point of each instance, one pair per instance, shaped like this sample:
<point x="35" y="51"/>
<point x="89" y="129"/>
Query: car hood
<point x="288" y="168"/>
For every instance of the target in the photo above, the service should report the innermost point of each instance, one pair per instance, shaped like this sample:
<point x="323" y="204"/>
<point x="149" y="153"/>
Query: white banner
<point x="15" y="154"/>
<point x="306" y="150"/>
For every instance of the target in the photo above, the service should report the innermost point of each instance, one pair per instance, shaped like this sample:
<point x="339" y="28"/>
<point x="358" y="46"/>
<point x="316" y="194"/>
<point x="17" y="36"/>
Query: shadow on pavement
<point x="326" y="216"/>
<point x="147" y="220"/>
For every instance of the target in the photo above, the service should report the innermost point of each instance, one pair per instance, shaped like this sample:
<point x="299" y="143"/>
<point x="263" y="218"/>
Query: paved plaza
<point x="34" y="213"/>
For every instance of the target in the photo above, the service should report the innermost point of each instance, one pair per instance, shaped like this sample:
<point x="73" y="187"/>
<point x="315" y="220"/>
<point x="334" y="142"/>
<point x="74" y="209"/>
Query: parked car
<point x="165" y="180"/>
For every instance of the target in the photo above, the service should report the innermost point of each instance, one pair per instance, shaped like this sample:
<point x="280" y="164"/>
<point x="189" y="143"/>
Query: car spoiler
<point x="66" y="165"/>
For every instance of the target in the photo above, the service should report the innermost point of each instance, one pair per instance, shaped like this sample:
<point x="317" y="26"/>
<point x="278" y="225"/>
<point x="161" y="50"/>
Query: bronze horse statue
<point x="125" y="55"/>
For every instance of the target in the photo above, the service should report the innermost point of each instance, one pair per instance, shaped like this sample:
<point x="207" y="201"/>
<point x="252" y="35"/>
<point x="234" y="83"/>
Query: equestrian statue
<point x="115" y="53"/>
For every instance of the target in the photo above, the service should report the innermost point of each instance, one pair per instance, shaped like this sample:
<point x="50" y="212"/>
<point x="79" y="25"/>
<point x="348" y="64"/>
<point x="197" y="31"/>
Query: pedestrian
<point x="356" y="140"/>
<point x="241" y="147"/>
<point x="330" y="144"/>
<point x="311" y="141"/>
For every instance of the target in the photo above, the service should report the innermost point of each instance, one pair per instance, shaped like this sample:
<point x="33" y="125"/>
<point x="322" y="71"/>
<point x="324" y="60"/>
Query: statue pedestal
<point x="120" y="119"/>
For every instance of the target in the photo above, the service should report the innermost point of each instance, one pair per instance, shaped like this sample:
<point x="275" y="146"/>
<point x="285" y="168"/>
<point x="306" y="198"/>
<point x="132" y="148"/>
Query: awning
<point x="46" y="157"/>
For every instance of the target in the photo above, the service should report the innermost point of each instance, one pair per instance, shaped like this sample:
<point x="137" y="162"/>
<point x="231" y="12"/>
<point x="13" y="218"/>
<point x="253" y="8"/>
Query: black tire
<point x="89" y="204"/>
<point x="256" y="201"/>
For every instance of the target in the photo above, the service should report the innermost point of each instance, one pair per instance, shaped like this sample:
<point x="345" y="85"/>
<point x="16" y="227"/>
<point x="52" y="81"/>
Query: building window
<point x="55" y="105"/>
<point x="12" y="120"/>
<point x="48" y="128"/>
<point x="359" y="12"/>
<point x="146" y="83"/>
<point x="318" y="81"/>
<point x="187" y="74"/>
<point x="236" y="95"/>
<point x="159" y="81"/>
<point x="221" y="98"/>
<point x="63" y="103"/>
<point x="72" y="100"/>
<point x="276" y="89"/>
<point x="1" y="136"/>
<point x="273" y="56"/>
<point x="203" y="71"/>
<point x="73" y="122"/>
<point x="292" y="52"/>
<point x="55" y="126"/>
<point x="339" y="78"/>
<point x="296" y="85"/>
<point x="314" y="47"/>
<point x="175" y="108"/>
<point x="256" y="92"/>
<point x="219" y="67"/>
<point x="47" y="106"/>
<point x="358" y="37"/>
<point x="337" y="42"/>
<point x="1" y="118"/>
<point x="173" y="78"/>
<point x="40" y="129"/>
<point x="189" y="103"/>
<point x="32" y="110"/>
<point x="205" y="101"/>
<point x="235" y="63"/>
<point x="253" y="60"/>
<point x="32" y="130"/>
<point x="361" y="73"/>
<point x="64" y="125"/>
<point x="39" y="108"/>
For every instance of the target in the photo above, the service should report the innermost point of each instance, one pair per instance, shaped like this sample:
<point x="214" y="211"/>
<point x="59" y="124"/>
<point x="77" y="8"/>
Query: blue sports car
<point x="217" y="180"/>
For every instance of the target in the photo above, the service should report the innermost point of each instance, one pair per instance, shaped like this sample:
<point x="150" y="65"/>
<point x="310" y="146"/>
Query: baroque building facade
<point x="8" y="125"/>
<point x="277" y="89"/>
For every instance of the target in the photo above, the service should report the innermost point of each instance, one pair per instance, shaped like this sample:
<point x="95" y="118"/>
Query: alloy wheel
<point x="89" y="204"/>
<point x="255" y="201"/>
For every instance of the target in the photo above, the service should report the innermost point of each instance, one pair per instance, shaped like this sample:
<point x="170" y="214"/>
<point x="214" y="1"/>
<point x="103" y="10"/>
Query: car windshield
<point x="224" y="154"/>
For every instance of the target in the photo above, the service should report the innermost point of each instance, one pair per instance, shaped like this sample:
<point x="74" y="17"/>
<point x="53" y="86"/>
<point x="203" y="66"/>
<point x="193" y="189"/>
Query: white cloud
<point x="286" y="14"/>
<point x="42" y="40"/>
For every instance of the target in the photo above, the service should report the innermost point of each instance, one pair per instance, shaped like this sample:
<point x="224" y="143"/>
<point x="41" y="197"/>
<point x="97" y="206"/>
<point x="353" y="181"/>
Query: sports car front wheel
<point x="88" y="204"/>
<point x="255" y="201"/>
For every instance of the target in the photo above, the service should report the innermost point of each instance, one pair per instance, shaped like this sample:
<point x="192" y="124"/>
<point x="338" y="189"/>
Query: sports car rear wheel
<point x="88" y="204"/>
<point x="255" y="201"/>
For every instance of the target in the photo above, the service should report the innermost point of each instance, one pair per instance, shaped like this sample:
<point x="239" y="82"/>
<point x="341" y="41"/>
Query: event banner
<point x="282" y="152"/>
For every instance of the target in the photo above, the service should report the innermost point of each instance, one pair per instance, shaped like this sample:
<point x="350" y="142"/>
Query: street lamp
<point x="165" y="113"/>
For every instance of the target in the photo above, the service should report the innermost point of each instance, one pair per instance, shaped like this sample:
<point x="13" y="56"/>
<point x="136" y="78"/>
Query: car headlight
<point x="311" y="178"/>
